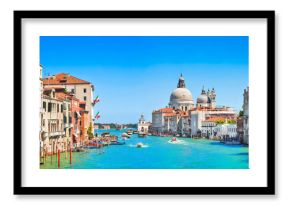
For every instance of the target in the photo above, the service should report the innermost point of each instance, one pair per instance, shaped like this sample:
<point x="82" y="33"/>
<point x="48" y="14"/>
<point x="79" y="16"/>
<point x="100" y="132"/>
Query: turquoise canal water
<point x="158" y="153"/>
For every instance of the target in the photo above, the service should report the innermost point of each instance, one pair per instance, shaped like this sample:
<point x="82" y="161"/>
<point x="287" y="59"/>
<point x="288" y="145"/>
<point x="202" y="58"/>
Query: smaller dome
<point x="202" y="98"/>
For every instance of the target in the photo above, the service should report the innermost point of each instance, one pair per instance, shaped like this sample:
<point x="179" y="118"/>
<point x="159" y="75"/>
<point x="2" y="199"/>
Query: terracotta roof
<point x="63" y="78"/>
<point x="48" y="97"/>
<point x="63" y="95"/>
<point x="215" y="119"/>
<point x="165" y="110"/>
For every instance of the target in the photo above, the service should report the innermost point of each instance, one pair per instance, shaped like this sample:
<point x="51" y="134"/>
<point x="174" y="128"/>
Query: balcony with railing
<point x="54" y="134"/>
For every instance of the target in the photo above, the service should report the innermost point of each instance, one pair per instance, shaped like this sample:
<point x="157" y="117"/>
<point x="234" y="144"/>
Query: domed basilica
<point x="179" y="117"/>
<point x="181" y="98"/>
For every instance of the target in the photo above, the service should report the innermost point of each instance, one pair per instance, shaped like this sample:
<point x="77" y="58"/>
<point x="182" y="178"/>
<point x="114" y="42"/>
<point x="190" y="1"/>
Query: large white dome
<point x="181" y="94"/>
<point x="181" y="97"/>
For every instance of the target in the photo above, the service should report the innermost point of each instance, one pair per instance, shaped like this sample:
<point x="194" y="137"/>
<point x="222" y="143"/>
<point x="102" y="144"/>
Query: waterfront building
<point x="246" y="116"/>
<point x="143" y="126"/>
<point x="182" y="118"/>
<point x="226" y="130"/>
<point x="208" y="128"/>
<point x="96" y="126"/>
<point x="105" y="127"/>
<point x="199" y="115"/>
<point x="240" y="128"/>
<point x="218" y="128"/>
<point x="53" y="135"/>
<point x="82" y="90"/>
<point x="168" y="121"/>
<point x="77" y="119"/>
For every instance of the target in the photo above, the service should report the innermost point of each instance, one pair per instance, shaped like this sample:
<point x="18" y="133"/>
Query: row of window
<point x="85" y="97"/>
<point x="73" y="90"/>
<point x="229" y="129"/>
<point x="54" y="127"/>
<point x="52" y="107"/>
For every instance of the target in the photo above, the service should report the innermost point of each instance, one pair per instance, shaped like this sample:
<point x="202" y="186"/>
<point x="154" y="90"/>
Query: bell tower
<point x="213" y="100"/>
<point x="181" y="83"/>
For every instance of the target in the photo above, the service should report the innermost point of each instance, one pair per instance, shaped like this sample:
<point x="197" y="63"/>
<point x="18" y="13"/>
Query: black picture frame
<point x="268" y="190"/>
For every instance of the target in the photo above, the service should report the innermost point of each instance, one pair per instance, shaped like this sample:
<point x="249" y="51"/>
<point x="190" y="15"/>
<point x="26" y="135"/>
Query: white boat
<point x="174" y="140"/>
<point x="129" y="132"/>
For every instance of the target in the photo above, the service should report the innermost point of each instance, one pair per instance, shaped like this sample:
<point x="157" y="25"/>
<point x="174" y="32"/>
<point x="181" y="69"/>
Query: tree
<point x="90" y="132"/>
<point x="241" y="113"/>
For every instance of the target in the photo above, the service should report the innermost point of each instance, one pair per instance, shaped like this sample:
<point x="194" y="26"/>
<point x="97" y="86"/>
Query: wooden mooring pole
<point x="58" y="158"/>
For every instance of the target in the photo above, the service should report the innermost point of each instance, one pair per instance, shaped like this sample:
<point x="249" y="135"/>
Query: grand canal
<point x="158" y="153"/>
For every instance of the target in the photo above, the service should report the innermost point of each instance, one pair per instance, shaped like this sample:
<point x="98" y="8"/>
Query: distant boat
<point x="117" y="143"/>
<point x="79" y="149"/>
<point x="105" y="134"/>
<point x="135" y="132"/>
<point x="129" y="132"/>
<point x="173" y="139"/>
<point x="142" y="134"/>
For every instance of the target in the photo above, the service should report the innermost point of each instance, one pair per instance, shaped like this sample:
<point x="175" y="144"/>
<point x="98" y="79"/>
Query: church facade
<point x="143" y="126"/>
<point x="183" y="118"/>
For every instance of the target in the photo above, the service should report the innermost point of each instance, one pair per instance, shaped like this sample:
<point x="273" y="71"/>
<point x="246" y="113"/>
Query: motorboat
<point x="139" y="145"/>
<point x="174" y="139"/>
<point x="117" y="143"/>
<point x="125" y="134"/>
<point x="142" y="134"/>
<point x="129" y="132"/>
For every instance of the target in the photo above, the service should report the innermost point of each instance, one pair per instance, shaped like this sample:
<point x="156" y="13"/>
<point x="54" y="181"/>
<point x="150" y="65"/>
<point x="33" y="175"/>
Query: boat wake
<point x="177" y="142"/>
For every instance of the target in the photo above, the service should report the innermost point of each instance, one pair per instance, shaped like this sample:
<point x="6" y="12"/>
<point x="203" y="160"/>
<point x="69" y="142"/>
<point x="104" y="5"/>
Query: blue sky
<point x="135" y="75"/>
